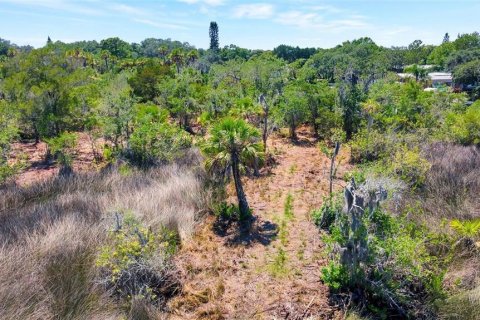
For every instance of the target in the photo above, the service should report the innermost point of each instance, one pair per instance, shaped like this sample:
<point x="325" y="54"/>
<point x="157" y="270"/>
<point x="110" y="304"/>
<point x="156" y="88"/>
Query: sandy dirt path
<point x="274" y="272"/>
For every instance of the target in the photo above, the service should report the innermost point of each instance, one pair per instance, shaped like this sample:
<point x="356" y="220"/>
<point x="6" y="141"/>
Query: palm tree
<point x="177" y="57"/>
<point x="163" y="51"/>
<point x="192" y="56"/>
<point x="233" y="143"/>
<point x="106" y="56"/>
<point x="419" y="72"/>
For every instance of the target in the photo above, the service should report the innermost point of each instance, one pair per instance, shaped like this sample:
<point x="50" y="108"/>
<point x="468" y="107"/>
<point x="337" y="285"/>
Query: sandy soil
<point x="36" y="169"/>
<point x="274" y="271"/>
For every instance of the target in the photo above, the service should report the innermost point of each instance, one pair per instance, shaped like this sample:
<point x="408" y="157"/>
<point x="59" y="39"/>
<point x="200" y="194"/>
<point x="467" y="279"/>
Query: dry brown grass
<point x="453" y="182"/>
<point x="451" y="191"/>
<point x="51" y="232"/>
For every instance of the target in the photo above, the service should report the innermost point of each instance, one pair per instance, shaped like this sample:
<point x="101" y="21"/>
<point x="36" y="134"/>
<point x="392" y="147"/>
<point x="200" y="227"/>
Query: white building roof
<point x="440" y="76"/>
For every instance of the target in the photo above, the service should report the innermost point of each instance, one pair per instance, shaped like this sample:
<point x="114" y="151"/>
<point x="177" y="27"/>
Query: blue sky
<point x="250" y="24"/>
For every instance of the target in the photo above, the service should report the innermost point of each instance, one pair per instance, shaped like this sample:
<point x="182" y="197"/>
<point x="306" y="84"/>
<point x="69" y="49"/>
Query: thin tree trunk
<point x="266" y="110"/>
<point x="315" y="127"/>
<point x="331" y="173"/>
<point x="332" y="165"/>
<point x="293" y="135"/>
<point x="242" y="199"/>
<point x="265" y="131"/>
<point x="256" y="172"/>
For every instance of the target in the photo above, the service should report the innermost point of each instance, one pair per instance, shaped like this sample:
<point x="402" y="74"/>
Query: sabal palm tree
<point x="177" y="57"/>
<point x="233" y="143"/>
<point x="106" y="56"/>
<point x="192" y="56"/>
<point x="163" y="52"/>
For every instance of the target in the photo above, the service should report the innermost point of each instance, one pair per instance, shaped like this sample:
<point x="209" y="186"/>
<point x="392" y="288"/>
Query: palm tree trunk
<point x="242" y="199"/>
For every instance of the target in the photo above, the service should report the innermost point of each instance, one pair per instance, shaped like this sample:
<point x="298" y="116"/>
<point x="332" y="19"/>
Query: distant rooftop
<point x="440" y="76"/>
<point x="434" y="76"/>
<point x="424" y="66"/>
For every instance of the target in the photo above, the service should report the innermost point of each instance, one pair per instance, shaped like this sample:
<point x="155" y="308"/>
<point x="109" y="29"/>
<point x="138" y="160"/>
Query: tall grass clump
<point x="54" y="234"/>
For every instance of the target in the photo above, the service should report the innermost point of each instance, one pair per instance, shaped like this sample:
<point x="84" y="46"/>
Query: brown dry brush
<point x="452" y="186"/>
<point x="51" y="234"/>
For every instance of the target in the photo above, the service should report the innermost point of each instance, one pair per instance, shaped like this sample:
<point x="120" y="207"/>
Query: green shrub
<point x="62" y="148"/>
<point x="330" y="209"/>
<point x="335" y="276"/>
<point x="226" y="211"/>
<point x="357" y="175"/>
<point x="410" y="166"/>
<point x="468" y="228"/>
<point x="161" y="142"/>
<point x="368" y="146"/>
<point x="126" y="261"/>
<point x="154" y="140"/>
<point x="396" y="273"/>
<point x="288" y="207"/>
<point x="465" y="127"/>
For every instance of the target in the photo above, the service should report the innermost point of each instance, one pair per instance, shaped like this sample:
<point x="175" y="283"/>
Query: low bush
<point x="383" y="261"/>
<point x="326" y="215"/>
<point x="126" y="262"/>
<point x="410" y="166"/>
<point x="61" y="148"/>
<point x="368" y="146"/>
<point x="465" y="127"/>
<point x="154" y="140"/>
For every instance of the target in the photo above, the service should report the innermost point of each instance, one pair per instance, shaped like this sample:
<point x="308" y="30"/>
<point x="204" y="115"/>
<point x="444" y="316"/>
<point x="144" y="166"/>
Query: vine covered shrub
<point x="136" y="262"/>
<point x="154" y="140"/>
<point x="381" y="260"/>
<point x="410" y="166"/>
<point x="369" y="146"/>
<point x="465" y="127"/>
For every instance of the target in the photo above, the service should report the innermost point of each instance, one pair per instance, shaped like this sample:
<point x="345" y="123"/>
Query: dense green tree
<point x="350" y="96"/>
<point x="117" y="47"/>
<point x="233" y="52"/>
<point x="467" y="73"/>
<point x="320" y="106"/>
<point x="439" y="55"/>
<point x="290" y="54"/>
<point x="467" y="41"/>
<point x="154" y="140"/>
<point x="214" y="39"/>
<point x="459" y="57"/>
<point x="4" y="46"/>
<point x="116" y="111"/>
<point x="265" y="76"/>
<point x="292" y="109"/>
<point x="147" y="78"/>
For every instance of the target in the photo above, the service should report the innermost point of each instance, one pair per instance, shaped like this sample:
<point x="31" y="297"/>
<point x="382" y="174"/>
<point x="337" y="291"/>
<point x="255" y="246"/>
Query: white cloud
<point x="254" y="11"/>
<point x="326" y="8"/>
<point x="59" y="5"/>
<point x="160" y="24"/>
<point x="123" y="8"/>
<point x="213" y="3"/>
<point x="312" y="20"/>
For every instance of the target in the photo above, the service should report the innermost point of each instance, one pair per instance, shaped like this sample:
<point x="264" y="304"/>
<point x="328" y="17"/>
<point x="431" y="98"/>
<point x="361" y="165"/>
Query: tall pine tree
<point x="213" y="36"/>
<point x="446" y="38"/>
